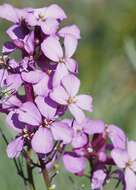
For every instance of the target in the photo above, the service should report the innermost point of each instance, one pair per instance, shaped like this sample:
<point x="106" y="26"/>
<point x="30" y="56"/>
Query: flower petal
<point x="11" y="102"/>
<point x="92" y="127"/>
<point x="117" y="136"/>
<point x="15" y="147"/>
<point x="79" y="140"/>
<point x="59" y="95"/>
<point x="131" y="147"/>
<point x="60" y="72"/>
<point x="13" y="81"/>
<point x="77" y="113"/>
<point x="8" y="47"/>
<point x="73" y="163"/>
<point x="32" y="76"/>
<point x="42" y="141"/>
<point x="28" y="113"/>
<point x="52" y="49"/>
<point x="13" y="122"/>
<point x="55" y="11"/>
<point x="72" y="84"/>
<point x="71" y="30"/>
<point x="29" y="43"/>
<point x="8" y="12"/>
<point x="46" y="108"/>
<point x="120" y="157"/>
<point x="72" y="65"/>
<point x="17" y="32"/>
<point x="84" y="102"/>
<point x="98" y="179"/>
<point x="42" y="87"/>
<point x="50" y="26"/>
<point x="70" y="44"/>
<point x="61" y="131"/>
<point x="130" y="179"/>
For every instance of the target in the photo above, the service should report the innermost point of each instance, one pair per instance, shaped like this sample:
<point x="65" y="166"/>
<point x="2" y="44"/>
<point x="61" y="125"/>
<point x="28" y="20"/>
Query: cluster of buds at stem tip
<point x="41" y="86"/>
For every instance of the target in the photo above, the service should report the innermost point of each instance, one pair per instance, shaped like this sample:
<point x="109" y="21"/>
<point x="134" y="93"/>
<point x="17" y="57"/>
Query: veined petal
<point x="72" y="65"/>
<point x="71" y="30"/>
<point x="74" y="164"/>
<point x="8" y="12"/>
<point x="130" y="179"/>
<point x="8" y="47"/>
<point x="77" y="113"/>
<point x="15" y="147"/>
<point x="16" y="32"/>
<point x="32" y="76"/>
<point x="92" y="127"/>
<point x="55" y="11"/>
<point x="84" y="102"/>
<point x="13" y="81"/>
<point x="28" y="113"/>
<point x="46" y="110"/>
<point x="52" y="49"/>
<point x="3" y="77"/>
<point x="50" y="26"/>
<point x="42" y="87"/>
<point x="13" y="122"/>
<point x="60" y="72"/>
<point x="72" y="84"/>
<point x="117" y="136"/>
<point x="70" y="44"/>
<point x="120" y="157"/>
<point x="131" y="147"/>
<point x="29" y="43"/>
<point x="61" y="131"/>
<point x="11" y="102"/>
<point x="59" y="95"/>
<point x="79" y="140"/>
<point x="42" y="141"/>
<point x="98" y="179"/>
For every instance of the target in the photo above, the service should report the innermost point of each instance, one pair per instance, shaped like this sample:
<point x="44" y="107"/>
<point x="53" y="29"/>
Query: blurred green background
<point x="107" y="64"/>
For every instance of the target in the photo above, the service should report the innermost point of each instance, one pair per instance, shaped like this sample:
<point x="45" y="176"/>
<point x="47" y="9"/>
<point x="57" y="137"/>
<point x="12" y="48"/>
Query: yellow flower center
<point x="62" y="61"/>
<point x="27" y="134"/>
<point x="129" y="164"/>
<point x="42" y="17"/>
<point x="47" y="123"/>
<point x="71" y="100"/>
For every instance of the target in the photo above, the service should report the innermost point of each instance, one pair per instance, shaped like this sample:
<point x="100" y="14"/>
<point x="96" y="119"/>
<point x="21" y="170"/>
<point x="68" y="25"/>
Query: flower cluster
<point x="41" y="86"/>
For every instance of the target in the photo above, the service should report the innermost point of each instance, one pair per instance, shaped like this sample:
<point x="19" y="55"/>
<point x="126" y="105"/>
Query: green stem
<point x="30" y="183"/>
<point x="45" y="174"/>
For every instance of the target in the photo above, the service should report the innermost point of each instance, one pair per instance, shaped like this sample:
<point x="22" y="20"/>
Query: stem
<point x="30" y="174"/>
<point x="45" y="174"/>
<point x="29" y="97"/>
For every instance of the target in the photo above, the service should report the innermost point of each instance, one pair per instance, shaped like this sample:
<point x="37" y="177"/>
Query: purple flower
<point x="66" y="95"/>
<point x="98" y="179"/>
<point x="24" y="133"/>
<point x="116" y="135"/>
<point x="47" y="130"/>
<point x="70" y="31"/>
<point x="9" y="84"/>
<point x="39" y="80"/>
<point x="52" y="49"/>
<point x="80" y="136"/>
<point x="13" y="14"/>
<point x="11" y="102"/>
<point x="126" y="160"/>
<point x="21" y="38"/>
<point x="29" y="114"/>
<point x="51" y="129"/>
<point x="15" y="147"/>
<point x="47" y="18"/>
<point x="74" y="163"/>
